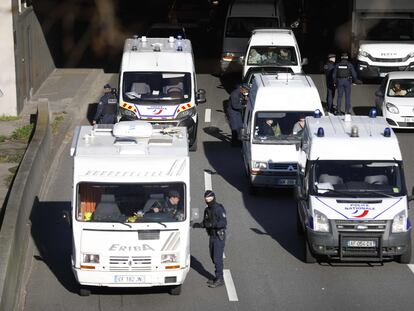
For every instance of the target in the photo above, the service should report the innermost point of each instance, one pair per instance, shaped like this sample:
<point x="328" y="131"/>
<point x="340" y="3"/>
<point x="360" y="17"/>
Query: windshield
<point x="270" y="126"/>
<point x="242" y="27"/>
<point x="272" y="55"/>
<point x="357" y="178"/>
<point x="162" y="87"/>
<point x="377" y="29"/>
<point x="401" y="88"/>
<point x="133" y="203"/>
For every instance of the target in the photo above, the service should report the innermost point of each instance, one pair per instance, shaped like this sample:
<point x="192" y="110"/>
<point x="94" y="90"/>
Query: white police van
<point x="351" y="195"/>
<point x="270" y="156"/>
<point x="121" y="173"/>
<point x="158" y="83"/>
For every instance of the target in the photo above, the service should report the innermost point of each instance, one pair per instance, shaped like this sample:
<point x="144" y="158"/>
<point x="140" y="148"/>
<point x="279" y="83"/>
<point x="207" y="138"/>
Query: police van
<point x="158" y="83"/>
<point x="270" y="131"/>
<point x="351" y="194"/>
<point x="122" y="235"/>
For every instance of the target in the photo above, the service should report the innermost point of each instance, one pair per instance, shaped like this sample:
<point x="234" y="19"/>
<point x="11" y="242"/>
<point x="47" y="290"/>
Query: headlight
<point x="259" y="165"/>
<point x="90" y="258"/>
<point x="128" y="113"/>
<point x="362" y="53"/>
<point x="186" y="113"/>
<point x="228" y="57"/>
<point x="169" y="258"/>
<point x="392" y="108"/>
<point x="320" y="222"/>
<point x="399" y="223"/>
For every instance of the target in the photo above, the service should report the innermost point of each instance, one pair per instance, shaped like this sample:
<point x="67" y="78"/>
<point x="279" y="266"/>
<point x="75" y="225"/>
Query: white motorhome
<point x="382" y="37"/>
<point x="273" y="48"/>
<point x="270" y="135"/>
<point x="351" y="194"/>
<point x="158" y="83"/>
<point x="243" y="16"/>
<point x="121" y="174"/>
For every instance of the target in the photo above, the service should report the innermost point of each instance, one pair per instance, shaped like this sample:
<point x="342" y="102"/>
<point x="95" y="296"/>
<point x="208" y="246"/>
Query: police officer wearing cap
<point x="171" y="203"/>
<point x="330" y="83"/>
<point x="237" y="102"/>
<point x="215" y="223"/>
<point x="107" y="107"/>
<point x="343" y="74"/>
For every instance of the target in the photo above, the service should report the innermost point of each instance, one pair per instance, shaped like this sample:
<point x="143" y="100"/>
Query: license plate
<point x="286" y="181"/>
<point x="356" y="243"/>
<point x="409" y="120"/>
<point x="130" y="279"/>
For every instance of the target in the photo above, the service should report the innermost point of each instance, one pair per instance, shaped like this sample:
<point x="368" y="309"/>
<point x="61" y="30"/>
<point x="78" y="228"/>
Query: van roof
<point x="337" y="143"/>
<point x="139" y="55"/>
<point x="288" y="90"/>
<point x="277" y="36"/>
<point x="253" y="9"/>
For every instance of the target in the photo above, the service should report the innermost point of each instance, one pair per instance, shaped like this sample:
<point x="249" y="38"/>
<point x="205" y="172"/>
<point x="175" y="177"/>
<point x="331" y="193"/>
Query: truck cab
<point x="158" y="83"/>
<point x="270" y="131"/>
<point x="123" y="233"/>
<point x="351" y="195"/>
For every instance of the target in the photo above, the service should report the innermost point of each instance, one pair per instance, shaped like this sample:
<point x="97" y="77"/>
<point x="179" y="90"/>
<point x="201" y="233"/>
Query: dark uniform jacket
<point x="107" y="109"/>
<point x="344" y="70"/>
<point x="214" y="218"/>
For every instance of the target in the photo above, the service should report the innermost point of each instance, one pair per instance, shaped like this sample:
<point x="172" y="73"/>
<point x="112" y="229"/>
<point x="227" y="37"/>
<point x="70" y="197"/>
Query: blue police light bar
<point x="321" y="132"/>
<point x="372" y="113"/>
<point x="317" y="113"/>
<point x="387" y="132"/>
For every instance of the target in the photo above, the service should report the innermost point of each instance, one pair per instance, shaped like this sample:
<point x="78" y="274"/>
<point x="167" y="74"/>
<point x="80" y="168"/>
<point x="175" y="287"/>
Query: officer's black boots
<point x="217" y="283"/>
<point x="211" y="281"/>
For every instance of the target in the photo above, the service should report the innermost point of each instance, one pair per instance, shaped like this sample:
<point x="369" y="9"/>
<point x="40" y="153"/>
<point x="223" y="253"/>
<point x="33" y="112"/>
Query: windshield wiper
<point x="346" y="193"/>
<point x="124" y="223"/>
<point x="379" y="193"/>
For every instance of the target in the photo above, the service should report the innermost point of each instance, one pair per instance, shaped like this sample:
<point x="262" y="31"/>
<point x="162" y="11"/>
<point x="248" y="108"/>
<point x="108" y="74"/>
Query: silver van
<point x="242" y="18"/>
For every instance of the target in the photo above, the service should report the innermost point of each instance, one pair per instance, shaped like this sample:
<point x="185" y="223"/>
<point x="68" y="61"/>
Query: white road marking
<point x="207" y="115"/>
<point x="411" y="266"/>
<point x="231" y="289"/>
<point x="224" y="256"/>
<point x="207" y="181"/>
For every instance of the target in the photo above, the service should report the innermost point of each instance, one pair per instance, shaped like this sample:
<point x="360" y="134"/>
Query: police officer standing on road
<point x="215" y="222"/>
<point x="343" y="74"/>
<point x="107" y="107"/>
<point x="330" y="83"/>
<point x="237" y="102"/>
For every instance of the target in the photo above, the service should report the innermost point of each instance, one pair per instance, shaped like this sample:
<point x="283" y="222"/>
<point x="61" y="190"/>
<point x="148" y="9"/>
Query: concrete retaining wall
<point x="15" y="229"/>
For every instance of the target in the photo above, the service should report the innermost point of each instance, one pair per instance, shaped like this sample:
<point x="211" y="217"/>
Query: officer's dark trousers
<point x="344" y="85"/>
<point x="216" y="247"/>
<point x="330" y="94"/>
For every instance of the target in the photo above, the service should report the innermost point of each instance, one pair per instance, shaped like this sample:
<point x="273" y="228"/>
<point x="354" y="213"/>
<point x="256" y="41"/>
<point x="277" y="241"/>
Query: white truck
<point x="270" y="135"/>
<point x="351" y="196"/>
<point x="122" y="235"/>
<point x="157" y="83"/>
<point x="382" y="38"/>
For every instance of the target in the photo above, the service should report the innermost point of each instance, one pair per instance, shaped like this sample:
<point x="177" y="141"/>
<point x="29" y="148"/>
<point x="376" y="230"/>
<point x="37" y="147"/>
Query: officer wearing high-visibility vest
<point x="343" y="74"/>
<point x="107" y="107"/>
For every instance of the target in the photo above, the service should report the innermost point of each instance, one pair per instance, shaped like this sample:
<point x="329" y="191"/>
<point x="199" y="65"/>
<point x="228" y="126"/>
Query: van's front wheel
<point x="84" y="291"/>
<point x="175" y="290"/>
<point x="406" y="257"/>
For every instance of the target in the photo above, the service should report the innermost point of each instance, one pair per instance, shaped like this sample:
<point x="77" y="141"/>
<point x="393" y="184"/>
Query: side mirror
<point x="195" y="215"/>
<point x="244" y="135"/>
<point x="66" y="218"/>
<point x="379" y="93"/>
<point x="201" y="96"/>
<point x="305" y="61"/>
<point x="241" y="59"/>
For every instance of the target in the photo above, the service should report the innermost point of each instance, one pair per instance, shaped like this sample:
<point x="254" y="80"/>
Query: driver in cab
<point x="170" y="205"/>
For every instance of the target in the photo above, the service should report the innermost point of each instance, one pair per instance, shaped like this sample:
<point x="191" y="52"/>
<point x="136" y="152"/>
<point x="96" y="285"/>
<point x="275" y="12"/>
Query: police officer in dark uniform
<point x="237" y="102"/>
<point x="107" y="107"/>
<point x="343" y="74"/>
<point x="330" y="83"/>
<point x="171" y="204"/>
<point x="215" y="222"/>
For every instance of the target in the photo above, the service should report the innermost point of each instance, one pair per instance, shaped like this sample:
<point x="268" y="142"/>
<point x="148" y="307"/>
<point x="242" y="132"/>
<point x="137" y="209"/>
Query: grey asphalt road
<point x="263" y="252"/>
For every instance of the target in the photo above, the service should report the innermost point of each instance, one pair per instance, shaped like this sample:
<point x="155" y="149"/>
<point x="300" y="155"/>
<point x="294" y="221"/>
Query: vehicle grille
<point x="388" y="60"/>
<point x="129" y="263"/>
<point x="406" y="124"/>
<point x="360" y="252"/>
<point x="288" y="167"/>
<point x="352" y="226"/>
<point x="149" y="234"/>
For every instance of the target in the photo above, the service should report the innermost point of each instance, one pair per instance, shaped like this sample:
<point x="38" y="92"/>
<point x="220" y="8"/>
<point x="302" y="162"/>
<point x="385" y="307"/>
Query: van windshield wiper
<point x="345" y="193"/>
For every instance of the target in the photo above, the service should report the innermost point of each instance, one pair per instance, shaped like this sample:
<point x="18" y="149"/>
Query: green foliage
<point x="55" y="124"/>
<point x="8" y="118"/>
<point x="22" y="133"/>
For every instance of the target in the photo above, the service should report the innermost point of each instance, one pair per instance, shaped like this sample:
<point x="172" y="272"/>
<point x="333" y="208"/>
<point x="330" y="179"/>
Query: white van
<point x="270" y="131"/>
<point x="242" y="18"/>
<point x="273" y="48"/>
<point x="121" y="174"/>
<point x="351" y="195"/>
<point x="158" y="83"/>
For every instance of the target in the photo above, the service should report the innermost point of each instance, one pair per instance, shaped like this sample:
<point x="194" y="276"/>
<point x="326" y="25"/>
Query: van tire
<point x="175" y="290"/>
<point x="84" y="291"/>
<point x="309" y="257"/>
<point x="253" y="189"/>
<point x="406" y="257"/>
<point x="299" y="228"/>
